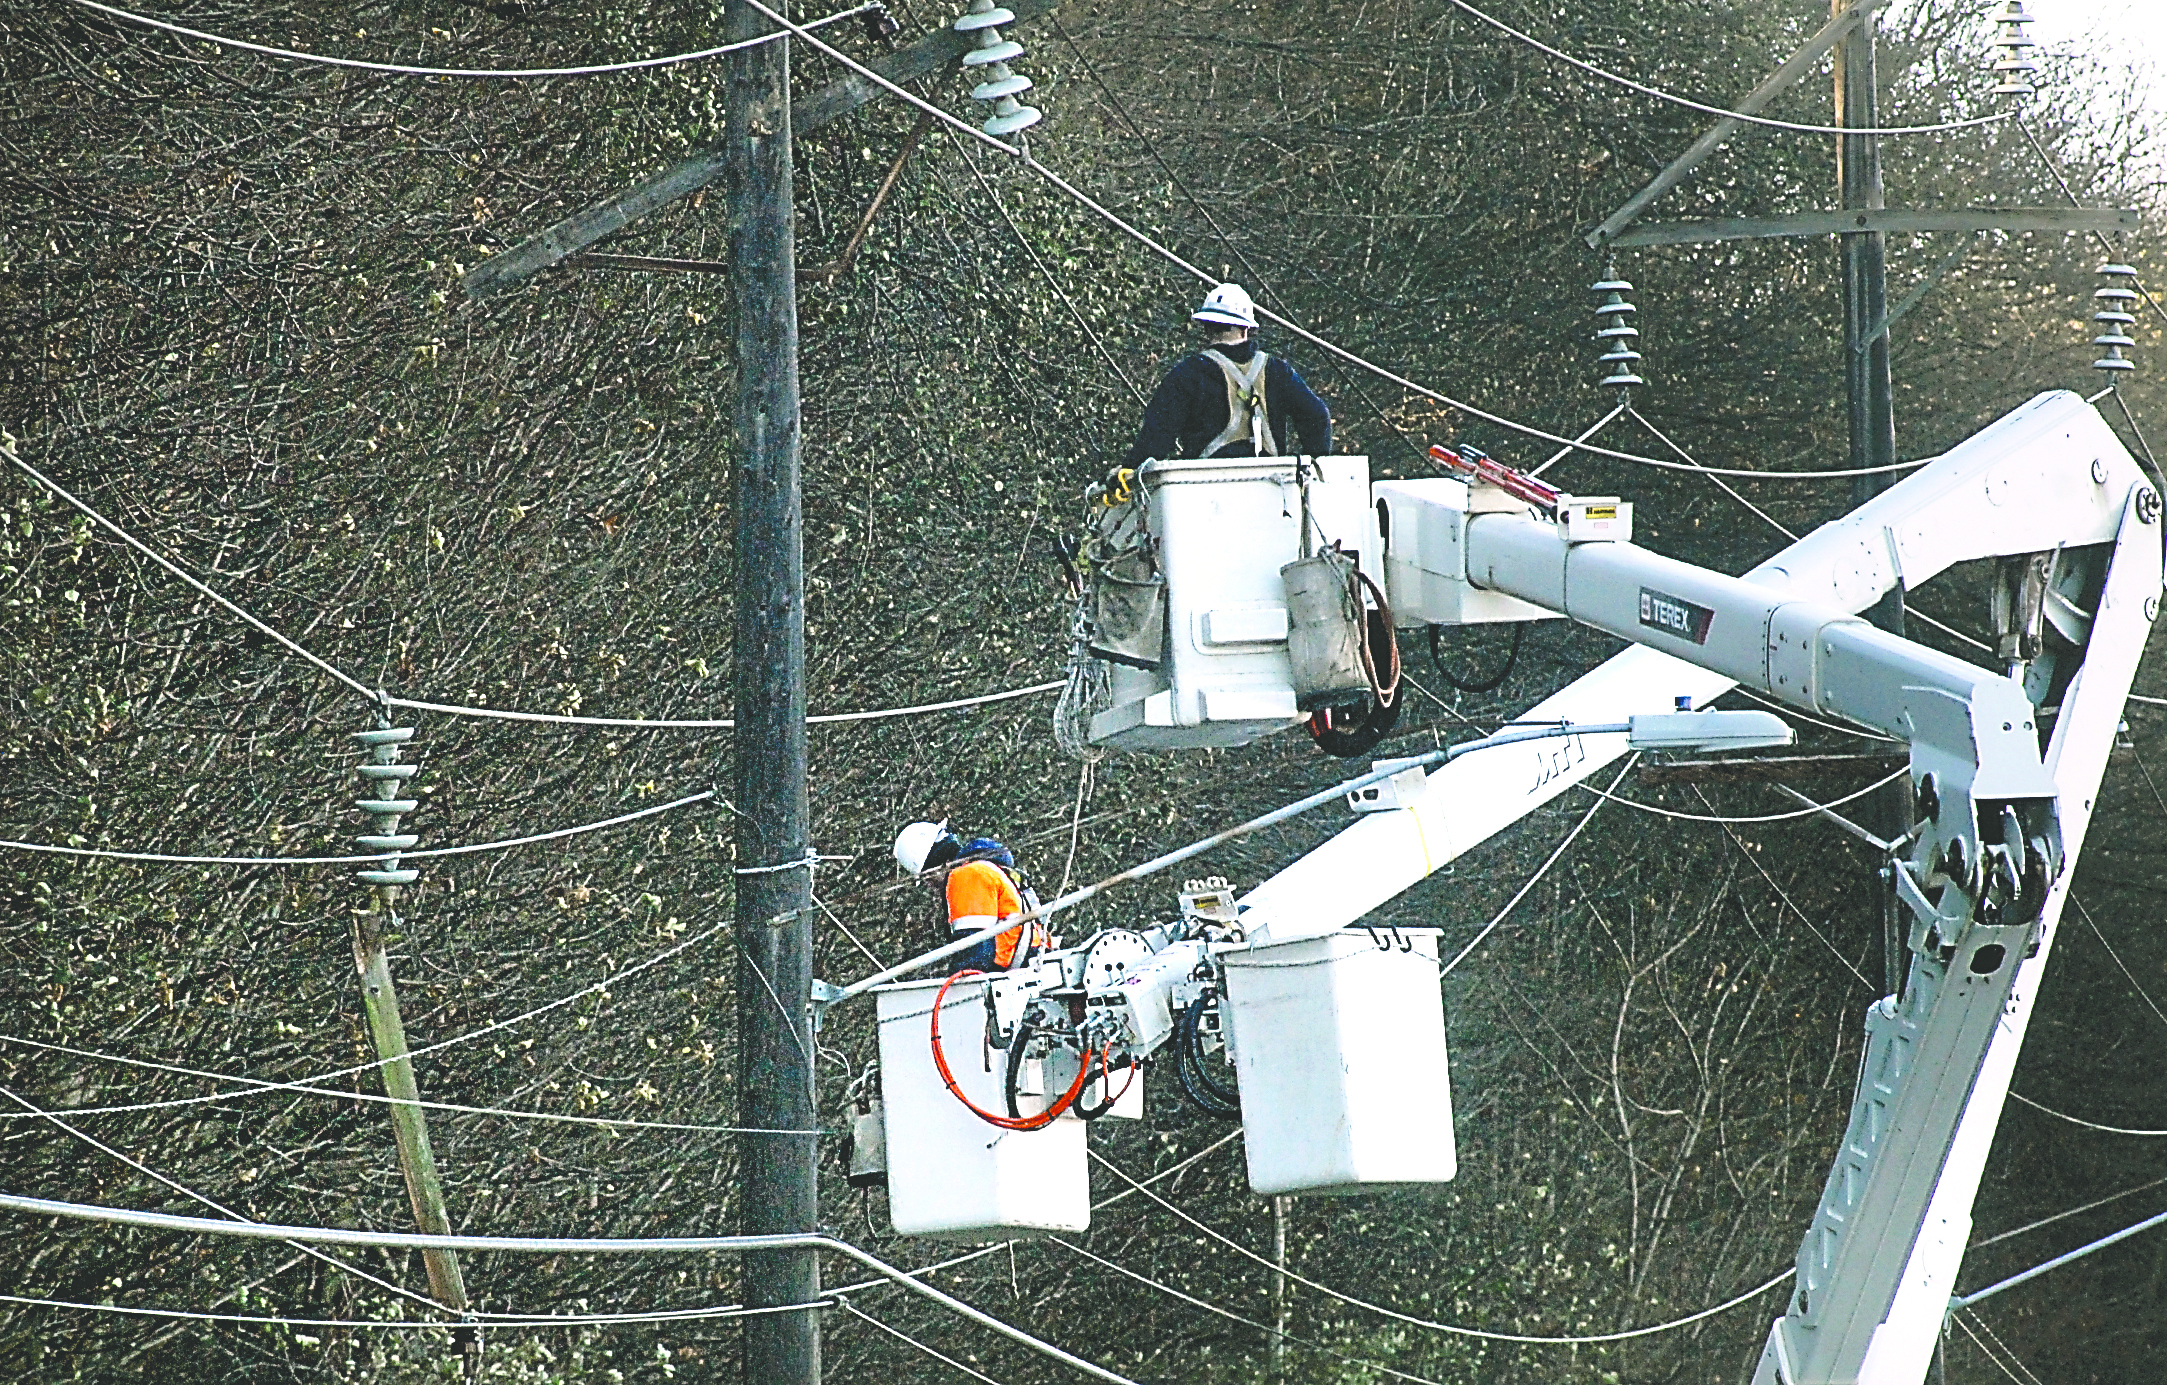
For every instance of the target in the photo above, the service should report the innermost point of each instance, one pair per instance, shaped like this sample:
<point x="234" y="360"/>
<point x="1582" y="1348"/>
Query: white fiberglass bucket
<point x="1339" y="1049"/>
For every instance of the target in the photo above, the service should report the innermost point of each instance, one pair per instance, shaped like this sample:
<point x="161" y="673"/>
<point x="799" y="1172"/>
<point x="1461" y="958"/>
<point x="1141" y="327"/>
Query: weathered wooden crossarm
<point x="936" y="52"/>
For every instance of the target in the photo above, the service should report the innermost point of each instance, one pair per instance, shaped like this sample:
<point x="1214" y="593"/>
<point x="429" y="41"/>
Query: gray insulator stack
<point x="382" y="772"/>
<point x="1614" y="329"/>
<point x="989" y="60"/>
<point x="2114" y="316"/>
<point x="2013" y="66"/>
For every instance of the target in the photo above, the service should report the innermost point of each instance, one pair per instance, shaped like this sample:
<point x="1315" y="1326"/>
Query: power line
<point x="554" y="1245"/>
<point x="1755" y="861"/>
<point x="2026" y="1378"/>
<point x="1232" y="1316"/>
<point x="2064" y="1216"/>
<point x="1023" y="156"/>
<point x="493" y="1027"/>
<point x="855" y="1311"/>
<point x="2044" y="1109"/>
<point x="188" y="1192"/>
<point x="7" y="449"/>
<point x="1764" y="817"/>
<point x="1540" y="872"/>
<point x="2069" y="1257"/>
<point x="1427" y="1324"/>
<point x="2120" y="966"/>
<point x="713" y="724"/>
<point x="491" y="1320"/>
<point x="558" y="835"/>
<point x="982" y="1252"/>
<point x="385" y="699"/>
<point x="401" y="70"/>
<point x="306" y="1089"/>
<point x="1704" y="109"/>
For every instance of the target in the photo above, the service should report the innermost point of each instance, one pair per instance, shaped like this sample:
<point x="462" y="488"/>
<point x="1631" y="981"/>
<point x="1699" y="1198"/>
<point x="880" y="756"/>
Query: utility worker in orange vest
<point x="981" y="888"/>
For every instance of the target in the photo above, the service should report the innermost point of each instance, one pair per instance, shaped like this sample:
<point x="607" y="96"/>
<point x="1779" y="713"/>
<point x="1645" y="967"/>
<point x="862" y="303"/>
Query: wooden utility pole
<point x="380" y="1002"/>
<point x="1868" y="387"/>
<point x="777" y="1172"/>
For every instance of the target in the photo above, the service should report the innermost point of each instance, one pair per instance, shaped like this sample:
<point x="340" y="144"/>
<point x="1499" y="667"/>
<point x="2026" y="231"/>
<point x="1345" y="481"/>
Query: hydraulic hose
<point x="948" y="1076"/>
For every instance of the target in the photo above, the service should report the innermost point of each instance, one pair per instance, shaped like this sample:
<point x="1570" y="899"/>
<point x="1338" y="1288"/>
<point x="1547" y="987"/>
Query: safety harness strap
<point x="1247" y="413"/>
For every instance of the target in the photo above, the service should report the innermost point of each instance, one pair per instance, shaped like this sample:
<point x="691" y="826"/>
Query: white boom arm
<point x="1987" y="867"/>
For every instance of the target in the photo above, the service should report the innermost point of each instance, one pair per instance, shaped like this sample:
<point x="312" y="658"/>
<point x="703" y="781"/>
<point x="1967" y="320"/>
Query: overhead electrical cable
<point x="7" y="448"/>
<point x="847" y="1306"/>
<point x="553" y="1245"/>
<point x="2119" y="964"/>
<point x="983" y="1251"/>
<point x="505" y="845"/>
<point x="2046" y="1110"/>
<point x="717" y="723"/>
<point x="1023" y="156"/>
<point x="185" y="1191"/>
<point x="1540" y="872"/>
<point x="380" y="698"/>
<point x="494" y="1027"/>
<point x="1428" y="1324"/>
<point x="1659" y="94"/>
<point x="1744" y="821"/>
<point x="403" y="70"/>
<point x="479" y="1318"/>
<point x="1753" y="859"/>
<point x="2068" y="1257"/>
<point x="2021" y="1373"/>
<point x="2064" y="1216"/>
<point x="1232" y="1316"/>
<point x="374" y="1098"/>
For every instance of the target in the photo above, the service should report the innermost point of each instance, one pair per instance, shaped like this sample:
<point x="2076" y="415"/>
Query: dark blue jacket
<point x="1188" y="410"/>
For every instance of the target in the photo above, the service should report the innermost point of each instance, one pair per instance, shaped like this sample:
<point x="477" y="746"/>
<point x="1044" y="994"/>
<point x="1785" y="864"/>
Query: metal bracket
<point x="825" y="993"/>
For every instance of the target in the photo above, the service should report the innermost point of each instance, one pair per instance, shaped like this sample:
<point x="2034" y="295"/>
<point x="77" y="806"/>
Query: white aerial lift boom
<point x="2004" y="768"/>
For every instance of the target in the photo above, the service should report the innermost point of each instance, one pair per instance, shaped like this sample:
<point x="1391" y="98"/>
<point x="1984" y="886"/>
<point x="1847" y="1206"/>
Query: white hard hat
<point x="915" y="842"/>
<point x="1229" y="306"/>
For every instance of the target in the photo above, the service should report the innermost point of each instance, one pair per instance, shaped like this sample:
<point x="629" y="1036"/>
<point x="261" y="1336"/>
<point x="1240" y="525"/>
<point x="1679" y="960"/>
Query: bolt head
<point x="2147" y="506"/>
<point x="2099" y="472"/>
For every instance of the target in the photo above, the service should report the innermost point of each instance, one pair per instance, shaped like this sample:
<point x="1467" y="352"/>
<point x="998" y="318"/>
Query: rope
<point x="717" y="724"/>
<point x="1540" y="872"/>
<point x="1453" y="1329"/>
<point x="1085" y="200"/>
<point x="558" y="835"/>
<point x="307" y="1089"/>
<point x="7" y="449"/>
<point x="403" y="71"/>
<point x="2088" y="1125"/>
<point x="1741" y="116"/>
<point x="1765" y="817"/>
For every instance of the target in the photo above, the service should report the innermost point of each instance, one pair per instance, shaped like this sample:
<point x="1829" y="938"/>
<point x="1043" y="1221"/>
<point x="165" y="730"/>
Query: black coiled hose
<point x="1205" y="1092"/>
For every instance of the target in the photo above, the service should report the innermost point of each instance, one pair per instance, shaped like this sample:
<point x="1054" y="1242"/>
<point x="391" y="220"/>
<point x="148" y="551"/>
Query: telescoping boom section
<point x="1280" y="1009"/>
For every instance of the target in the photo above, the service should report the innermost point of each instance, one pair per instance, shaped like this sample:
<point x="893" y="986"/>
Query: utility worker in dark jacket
<point x="1230" y="399"/>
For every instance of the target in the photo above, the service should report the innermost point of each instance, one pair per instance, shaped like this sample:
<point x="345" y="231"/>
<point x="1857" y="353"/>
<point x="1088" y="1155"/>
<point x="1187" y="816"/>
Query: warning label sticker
<point x="1674" y="615"/>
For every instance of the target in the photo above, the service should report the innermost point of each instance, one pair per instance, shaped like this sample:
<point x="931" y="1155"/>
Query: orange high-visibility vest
<point x="981" y="894"/>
